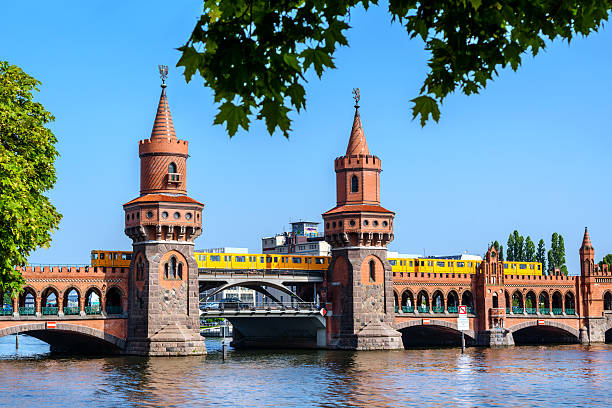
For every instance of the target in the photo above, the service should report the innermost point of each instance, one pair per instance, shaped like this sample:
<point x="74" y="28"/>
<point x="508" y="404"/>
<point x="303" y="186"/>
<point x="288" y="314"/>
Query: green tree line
<point x="521" y="249"/>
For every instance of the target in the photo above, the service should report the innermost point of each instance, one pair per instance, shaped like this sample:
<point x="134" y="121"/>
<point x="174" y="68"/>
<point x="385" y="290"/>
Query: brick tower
<point x="359" y="280"/>
<point x="163" y="223"/>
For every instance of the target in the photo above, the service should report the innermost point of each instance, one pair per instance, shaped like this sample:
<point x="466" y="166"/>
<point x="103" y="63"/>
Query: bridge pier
<point x="496" y="337"/>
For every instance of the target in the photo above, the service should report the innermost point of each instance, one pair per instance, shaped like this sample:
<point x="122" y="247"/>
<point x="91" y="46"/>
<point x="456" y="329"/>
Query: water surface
<point x="571" y="375"/>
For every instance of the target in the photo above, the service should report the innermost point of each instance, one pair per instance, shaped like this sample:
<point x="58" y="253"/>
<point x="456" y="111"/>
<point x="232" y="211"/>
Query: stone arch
<point x="534" y="323"/>
<point x="543" y="302"/>
<point x="467" y="299"/>
<point x="508" y="300"/>
<point x="113" y="300"/>
<point x="396" y="302"/>
<point x="90" y="306"/>
<point x="557" y="302"/>
<point x="67" y="307"/>
<point x="24" y="300"/>
<point x="569" y="302"/>
<point x="531" y="302"/>
<point x="39" y="329"/>
<point x="437" y="301"/>
<point x="607" y="299"/>
<point x="452" y="301"/>
<point x="407" y="299"/>
<point x="434" y="322"/>
<point x="422" y="301"/>
<point x="49" y="300"/>
<point x="518" y="303"/>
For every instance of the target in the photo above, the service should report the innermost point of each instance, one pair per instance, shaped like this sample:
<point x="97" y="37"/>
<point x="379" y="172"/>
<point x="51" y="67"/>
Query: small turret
<point x="587" y="254"/>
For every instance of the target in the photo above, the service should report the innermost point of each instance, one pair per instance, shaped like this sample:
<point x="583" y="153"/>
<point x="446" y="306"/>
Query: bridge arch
<point x="607" y="298"/>
<point x="255" y="285"/>
<point x="437" y="333"/>
<point x="407" y="298"/>
<point x="68" y="336"/>
<point x="530" y="332"/>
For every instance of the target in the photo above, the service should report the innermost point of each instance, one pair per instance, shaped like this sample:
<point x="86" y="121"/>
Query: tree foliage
<point x="541" y="254"/>
<point x="556" y="254"/>
<point x="255" y="54"/>
<point x="606" y="260"/>
<point x="27" y="156"/>
<point x="530" y="250"/>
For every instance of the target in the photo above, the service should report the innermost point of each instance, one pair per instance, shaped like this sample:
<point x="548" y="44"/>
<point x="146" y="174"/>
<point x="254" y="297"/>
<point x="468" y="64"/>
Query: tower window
<point x="172" y="168"/>
<point x="172" y="270"/>
<point x="173" y="176"/>
<point x="372" y="271"/>
<point x="354" y="184"/>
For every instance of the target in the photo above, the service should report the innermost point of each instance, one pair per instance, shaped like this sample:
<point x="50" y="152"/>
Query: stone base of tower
<point x="373" y="336"/>
<point x="172" y="340"/>
<point x="494" y="338"/>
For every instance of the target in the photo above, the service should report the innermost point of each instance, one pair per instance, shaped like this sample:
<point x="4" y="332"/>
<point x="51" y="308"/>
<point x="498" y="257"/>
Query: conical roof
<point x="357" y="142"/>
<point x="586" y="240"/>
<point x="163" y="128"/>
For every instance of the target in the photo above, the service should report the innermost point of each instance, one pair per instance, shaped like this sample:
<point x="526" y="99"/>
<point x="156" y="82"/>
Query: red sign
<point x="51" y="325"/>
<point x="540" y="322"/>
<point x="463" y="310"/>
<point x="323" y="311"/>
<point x="425" y="321"/>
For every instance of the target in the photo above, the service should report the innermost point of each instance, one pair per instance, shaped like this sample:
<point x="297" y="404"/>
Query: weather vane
<point x="356" y="96"/>
<point x="163" y="73"/>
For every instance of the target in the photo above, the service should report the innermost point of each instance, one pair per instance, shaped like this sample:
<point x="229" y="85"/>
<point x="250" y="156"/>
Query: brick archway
<point x="434" y="322"/>
<point x="557" y="325"/>
<point x="65" y="327"/>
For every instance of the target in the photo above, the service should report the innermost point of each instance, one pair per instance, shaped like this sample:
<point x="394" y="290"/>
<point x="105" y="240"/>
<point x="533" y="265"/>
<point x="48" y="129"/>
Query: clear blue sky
<point x="530" y="153"/>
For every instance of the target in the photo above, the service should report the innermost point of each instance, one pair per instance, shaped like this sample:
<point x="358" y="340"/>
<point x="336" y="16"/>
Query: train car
<point x="522" y="268"/>
<point x="102" y="258"/>
<point x="261" y="261"/>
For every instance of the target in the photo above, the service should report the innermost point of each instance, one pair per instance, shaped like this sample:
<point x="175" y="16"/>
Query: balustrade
<point x="423" y="309"/>
<point x="517" y="309"/>
<point x="93" y="310"/>
<point x="27" y="311"/>
<point x="531" y="310"/>
<point x="49" y="311"/>
<point x="570" y="311"/>
<point x="408" y="309"/>
<point x="114" y="310"/>
<point x="438" y="309"/>
<point x="557" y="311"/>
<point x="6" y="311"/>
<point x="544" y="310"/>
<point x="453" y="309"/>
<point x="71" y="310"/>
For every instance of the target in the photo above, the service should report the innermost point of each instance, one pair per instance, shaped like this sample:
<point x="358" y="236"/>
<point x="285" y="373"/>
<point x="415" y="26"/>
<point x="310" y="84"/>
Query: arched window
<point x="354" y="184"/>
<point x="608" y="301"/>
<point x="372" y="271"/>
<point x="140" y="270"/>
<point x="495" y="301"/>
<point x="180" y="270"/>
<point x="171" y="269"/>
<point x="172" y="168"/>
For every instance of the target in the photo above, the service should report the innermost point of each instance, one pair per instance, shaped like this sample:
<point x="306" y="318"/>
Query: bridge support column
<point x="496" y="337"/>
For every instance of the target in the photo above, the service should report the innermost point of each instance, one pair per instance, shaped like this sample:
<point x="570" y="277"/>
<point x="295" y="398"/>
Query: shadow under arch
<point x="550" y="332"/>
<point x="70" y="338"/>
<point x="436" y="333"/>
<point x="608" y="336"/>
<point x="258" y="287"/>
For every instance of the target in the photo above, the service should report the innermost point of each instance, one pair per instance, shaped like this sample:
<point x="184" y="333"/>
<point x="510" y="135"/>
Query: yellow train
<point x="307" y="262"/>
<point x="261" y="261"/>
<point x="119" y="259"/>
<point x="224" y="261"/>
<point x="434" y="265"/>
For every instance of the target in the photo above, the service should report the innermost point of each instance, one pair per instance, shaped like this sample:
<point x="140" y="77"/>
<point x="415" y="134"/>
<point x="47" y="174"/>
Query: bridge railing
<point x="246" y="306"/>
<point x="259" y="272"/>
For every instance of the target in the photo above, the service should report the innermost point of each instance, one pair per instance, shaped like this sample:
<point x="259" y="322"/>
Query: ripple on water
<point x="530" y="376"/>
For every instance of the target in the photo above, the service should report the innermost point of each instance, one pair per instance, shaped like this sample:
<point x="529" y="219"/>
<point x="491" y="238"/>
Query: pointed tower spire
<point x="357" y="142"/>
<point x="163" y="128"/>
<point x="586" y="240"/>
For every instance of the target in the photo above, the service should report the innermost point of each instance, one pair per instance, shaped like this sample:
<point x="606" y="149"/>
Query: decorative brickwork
<point x="358" y="286"/>
<point x="163" y="223"/>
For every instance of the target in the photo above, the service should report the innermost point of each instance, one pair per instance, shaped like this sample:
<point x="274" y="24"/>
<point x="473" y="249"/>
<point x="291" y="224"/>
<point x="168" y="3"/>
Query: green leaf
<point x="233" y="116"/>
<point x="190" y="60"/>
<point x="275" y="115"/>
<point x="425" y="106"/>
<point x="317" y="58"/>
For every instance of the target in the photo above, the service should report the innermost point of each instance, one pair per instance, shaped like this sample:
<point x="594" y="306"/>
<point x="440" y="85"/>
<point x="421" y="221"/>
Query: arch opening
<point x="93" y="299"/>
<point x="423" y="302"/>
<point x="557" y="303"/>
<point x="49" y="305"/>
<point x="544" y="303"/>
<point x="438" y="302"/>
<point x="354" y="184"/>
<point x="71" y="302"/>
<point x="530" y="303"/>
<point x="608" y="336"/>
<point x="468" y="300"/>
<point x="570" y="306"/>
<point x="543" y="335"/>
<point x="407" y="302"/>
<point x="452" y="302"/>
<point x="607" y="301"/>
<point x="27" y="302"/>
<point x="113" y="301"/>
<point x="517" y="302"/>
<point x="495" y="301"/>
<point x="432" y="335"/>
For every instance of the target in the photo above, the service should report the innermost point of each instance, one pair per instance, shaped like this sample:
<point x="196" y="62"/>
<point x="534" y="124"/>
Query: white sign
<point x="462" y="310"/>
<point x="463" y="323"/>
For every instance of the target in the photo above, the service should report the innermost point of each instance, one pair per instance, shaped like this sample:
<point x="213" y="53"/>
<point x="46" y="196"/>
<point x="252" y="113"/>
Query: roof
<point x="151" y="198"/>
<point x="163" y="128"/>
<point x="358" y="208"/>
<point x="357" y="142"/>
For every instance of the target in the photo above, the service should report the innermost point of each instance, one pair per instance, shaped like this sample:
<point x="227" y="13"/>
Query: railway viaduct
<point x="152" y="307"/>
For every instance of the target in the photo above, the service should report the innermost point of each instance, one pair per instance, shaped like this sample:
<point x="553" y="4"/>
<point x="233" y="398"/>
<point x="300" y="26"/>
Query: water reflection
<point x="529" y="376"/>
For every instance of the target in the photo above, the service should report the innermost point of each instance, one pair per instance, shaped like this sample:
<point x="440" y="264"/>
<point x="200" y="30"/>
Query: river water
<point x="570" y="375"/>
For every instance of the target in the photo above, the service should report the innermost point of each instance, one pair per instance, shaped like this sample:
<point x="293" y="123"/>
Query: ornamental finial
<point x="163" y="73"/>
<point x="356" y="97"/>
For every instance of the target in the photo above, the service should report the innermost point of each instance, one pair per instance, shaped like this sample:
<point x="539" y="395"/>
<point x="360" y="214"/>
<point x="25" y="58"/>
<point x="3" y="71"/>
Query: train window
<point x="409" y="263"/>
<point x="102" y="255"/>
<point x="460" y="264"/>
<point x="94" y="255"/>
<point x="227" y="258"/>
<point x="261" y="259"/>
<point x="538" y="267"/>
<point x="275" y="259"/>
<point x="296" y="260"/>
<point x="268" y="259"/>
<point x="505" y="266"/>
<point x="240" y="259"/>
<point x="422" y="263"/>
<point x="129" y="257"/>
<point x="215" y="258"/>
<point x="319" y="261"/>
<point x="439" y="263"/>
<point x="393" y="262"/>
<point x="123" y="256"/>
<point x="522" y="266"/>
<point x="530" y="266"/>
<point x="450" y="264"/>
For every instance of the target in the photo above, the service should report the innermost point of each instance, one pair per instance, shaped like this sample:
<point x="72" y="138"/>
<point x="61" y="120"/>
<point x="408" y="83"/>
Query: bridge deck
<point x="285" y="275"/>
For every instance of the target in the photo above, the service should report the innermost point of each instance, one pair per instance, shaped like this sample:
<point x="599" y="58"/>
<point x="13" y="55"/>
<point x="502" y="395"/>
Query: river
<point x="569" y="375"/>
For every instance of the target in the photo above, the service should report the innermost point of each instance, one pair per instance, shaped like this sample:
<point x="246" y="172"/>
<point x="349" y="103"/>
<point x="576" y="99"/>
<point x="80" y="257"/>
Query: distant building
<point x="304" y="239"/>
<point x="225" y="250"/>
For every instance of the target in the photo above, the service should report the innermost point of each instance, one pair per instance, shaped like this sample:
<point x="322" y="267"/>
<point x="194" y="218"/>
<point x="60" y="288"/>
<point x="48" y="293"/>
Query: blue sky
<point x="528" y="153"/>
